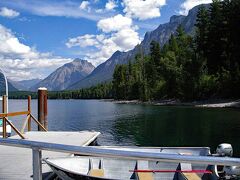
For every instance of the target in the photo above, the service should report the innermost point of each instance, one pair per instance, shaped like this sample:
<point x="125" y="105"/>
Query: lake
<point x="141" y="125"/>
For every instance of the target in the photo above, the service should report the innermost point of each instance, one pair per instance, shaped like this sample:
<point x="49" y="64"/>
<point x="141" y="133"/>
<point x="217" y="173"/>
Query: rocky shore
<point x="173" y="102"/>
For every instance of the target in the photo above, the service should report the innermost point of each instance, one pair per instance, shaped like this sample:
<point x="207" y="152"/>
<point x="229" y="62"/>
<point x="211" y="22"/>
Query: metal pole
<point x="37" y="163"/>
<point x="112" y="153"/>
<point x="6" y="86"/>
<point x="4" y="110"/>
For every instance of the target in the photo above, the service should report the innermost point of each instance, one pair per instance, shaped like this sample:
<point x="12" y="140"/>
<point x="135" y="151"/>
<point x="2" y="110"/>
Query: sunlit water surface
<point x="141" y="125"/>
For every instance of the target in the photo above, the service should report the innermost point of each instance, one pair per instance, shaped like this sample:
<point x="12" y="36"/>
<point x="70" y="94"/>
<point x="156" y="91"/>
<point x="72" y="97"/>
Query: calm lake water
<point x="142" y="125"/>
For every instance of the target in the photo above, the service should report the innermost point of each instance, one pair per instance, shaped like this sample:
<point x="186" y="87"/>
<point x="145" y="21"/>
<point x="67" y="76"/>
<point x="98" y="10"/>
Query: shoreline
<point x="218" y="103"/>
<point x="173" y="102"/>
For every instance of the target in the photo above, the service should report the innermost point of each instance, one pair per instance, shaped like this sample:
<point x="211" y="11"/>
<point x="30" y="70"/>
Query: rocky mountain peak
<point x="66" y="75"/>
<point x="161" y="35"/>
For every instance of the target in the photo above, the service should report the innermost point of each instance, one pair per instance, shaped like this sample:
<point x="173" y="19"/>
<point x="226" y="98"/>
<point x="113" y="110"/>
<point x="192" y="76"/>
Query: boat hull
<point x="78" y="167"/>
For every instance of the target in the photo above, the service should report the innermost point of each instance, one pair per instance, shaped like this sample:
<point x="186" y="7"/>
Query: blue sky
<point x="38" y="36"/>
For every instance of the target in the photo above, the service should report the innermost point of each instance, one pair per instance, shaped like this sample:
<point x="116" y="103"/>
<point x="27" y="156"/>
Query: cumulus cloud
<point x="83" y="41"/>
<point x="126" y="39"/>
<point x="102" y="48"/>
<point x="23" y="62"/>
<point x="189" y="4"/>
<point x="110" y="5"/>
<point x="85" y="5"/>
<point x="118" y="34"/>
<point x="143" y="9"/>
<point x="8" y="13"/>
<point x="123" y="40"/>
<point x="11" y="47"/>
<point x="114" y="23"/>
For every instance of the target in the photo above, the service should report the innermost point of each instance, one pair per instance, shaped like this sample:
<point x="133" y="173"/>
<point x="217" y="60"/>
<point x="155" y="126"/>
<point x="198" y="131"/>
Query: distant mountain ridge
<point x="66" y="75"/>
<point x="104" y="71"/>
<point x="25" y="85"/>
<point x="3" y="87"/>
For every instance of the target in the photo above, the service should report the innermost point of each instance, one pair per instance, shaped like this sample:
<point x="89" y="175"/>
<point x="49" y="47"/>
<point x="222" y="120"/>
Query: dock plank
<point x="16" y="163"/>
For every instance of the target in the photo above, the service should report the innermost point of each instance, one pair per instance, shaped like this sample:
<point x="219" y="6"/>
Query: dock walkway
<point x="16" y="163"/>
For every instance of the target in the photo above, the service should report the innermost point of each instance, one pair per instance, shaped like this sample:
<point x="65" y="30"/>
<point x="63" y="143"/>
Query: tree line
<point x="101" y="91"/>
<point x="206" y="65"/>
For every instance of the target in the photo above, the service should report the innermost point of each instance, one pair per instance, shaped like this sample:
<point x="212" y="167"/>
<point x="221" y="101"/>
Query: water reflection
<point x="142" y="125"/>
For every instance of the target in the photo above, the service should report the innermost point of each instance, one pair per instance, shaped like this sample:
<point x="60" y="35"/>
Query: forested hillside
<point x="101" y="91"/>
<point x="206" y="65"/>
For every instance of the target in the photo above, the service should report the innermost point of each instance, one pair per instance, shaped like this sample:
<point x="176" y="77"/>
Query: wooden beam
<point x="40" y="125"/>
<point x="15" y="129"/>
<point x="29" y="110"/>
<point x="14" y="114"/>
<point x="25" y="124"/>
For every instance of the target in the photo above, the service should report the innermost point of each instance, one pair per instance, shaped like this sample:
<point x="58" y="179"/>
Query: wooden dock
<point x="16" y="163"/>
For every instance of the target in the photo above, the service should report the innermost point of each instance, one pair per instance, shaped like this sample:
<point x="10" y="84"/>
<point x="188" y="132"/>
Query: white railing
<point x="6" y="86"/>
<point x="37" y="148"/>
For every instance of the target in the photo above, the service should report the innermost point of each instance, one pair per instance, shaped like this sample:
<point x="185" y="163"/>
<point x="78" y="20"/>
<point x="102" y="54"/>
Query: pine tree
<point x="215" y="59"/>
<point x="202" y="28"/>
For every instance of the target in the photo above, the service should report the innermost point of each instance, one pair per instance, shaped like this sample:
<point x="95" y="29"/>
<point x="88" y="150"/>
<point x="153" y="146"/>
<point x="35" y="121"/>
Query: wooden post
<point x="42" y="107"/>
<point x="4" y="110"/>
<point x="29" y="110"/>
<point x="45" y="112"/>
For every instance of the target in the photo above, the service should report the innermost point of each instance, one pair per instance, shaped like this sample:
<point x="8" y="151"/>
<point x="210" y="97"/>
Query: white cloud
<point x="126" y="39"/>
<point x="120" y="35"/>
<point x="11" y="47"/>
<point x="189" y="4"/>
<point x="9" y="13"/>
<point x="23" y="62"/>
<point x="115" y="23"/>
<point x="82" y="41"/>
<point x="55" y="8"/>
<point x="105" y="49"/>
<point x="99" y="11"/>
<point x="143" y="9"/>
<point x="103" y="46"/>
<point x="110" y="5"/>
<point x="85" y="6"/>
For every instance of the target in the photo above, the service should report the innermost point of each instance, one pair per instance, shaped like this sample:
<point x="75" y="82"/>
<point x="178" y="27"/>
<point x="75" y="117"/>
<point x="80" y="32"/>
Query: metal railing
<point x="37" y="148"/>
<point x="6" y="87"/>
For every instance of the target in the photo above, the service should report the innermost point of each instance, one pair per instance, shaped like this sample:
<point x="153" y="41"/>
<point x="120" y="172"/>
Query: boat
<point x="8" y="127"/>
<point x="90" y="167"/>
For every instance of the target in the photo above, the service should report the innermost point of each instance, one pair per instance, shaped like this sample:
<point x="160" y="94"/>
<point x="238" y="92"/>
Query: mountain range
<point x="3" y="87"/>
<point x="66" y="75"/>
<point x="24" y="85"/>
<point x="104" y="72"/>
<point x="82" y="74"/>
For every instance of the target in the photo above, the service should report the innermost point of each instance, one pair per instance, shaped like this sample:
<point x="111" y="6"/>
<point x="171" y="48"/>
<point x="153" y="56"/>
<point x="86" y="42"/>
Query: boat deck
<point x="16" y="163"/>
